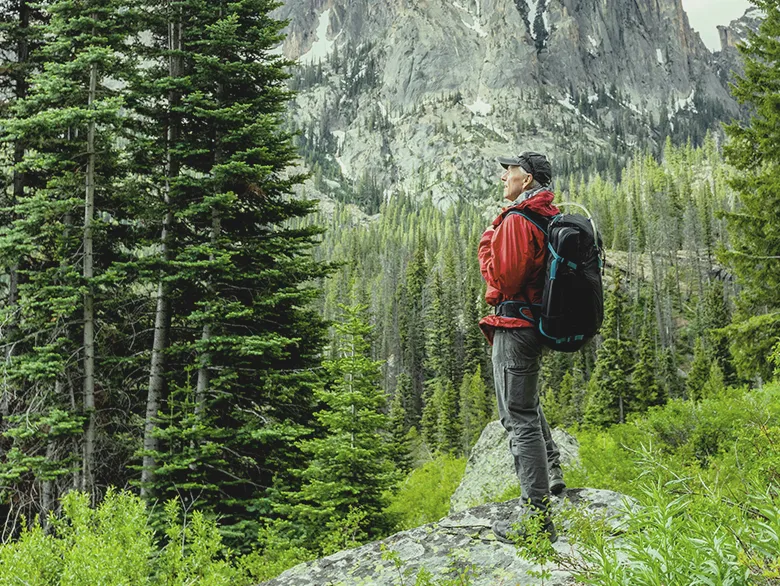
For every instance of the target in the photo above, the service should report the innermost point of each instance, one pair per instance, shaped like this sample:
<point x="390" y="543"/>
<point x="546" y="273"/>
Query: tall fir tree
<point x="411" y="319"/>
<point x="448" y="428"/>
<point x="350" y="467"/>
<point x="647" y="392"/>
<point x="474" y="342"/>
<point x="429" y="422"/>
<point x="715" y="317"/>
<point x="440" y="334"/>
<point x="20" y="41"/>
<point x="399" y="433"/>
<point x="475" y="409"/>
<point x="754" y="149"/>
<point x="237" y="385"/>
<point x="672" y="383"/>
<point x="66" y="237"/>
<point x="564" y="406"/>
<point x="700" y="370"/>
<point x="715" y="383"/>
<point x="609" y="389"/>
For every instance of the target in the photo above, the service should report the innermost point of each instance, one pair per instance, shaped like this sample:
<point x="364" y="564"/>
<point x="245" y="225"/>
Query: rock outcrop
<point x="728" y="58"/>
<point x="490" y="471"/>
<point x="458" y="543"/>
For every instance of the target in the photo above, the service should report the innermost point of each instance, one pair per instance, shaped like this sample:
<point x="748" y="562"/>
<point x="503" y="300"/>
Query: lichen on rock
<point x="461" y="542"/>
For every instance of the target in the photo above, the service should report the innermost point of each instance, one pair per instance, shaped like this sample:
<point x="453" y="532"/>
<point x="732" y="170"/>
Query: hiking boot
<point x="556" y="481"/>
<point x="513" y="531"/>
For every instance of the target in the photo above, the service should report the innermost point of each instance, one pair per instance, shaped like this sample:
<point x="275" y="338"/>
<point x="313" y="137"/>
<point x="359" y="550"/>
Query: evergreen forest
<point x="208" y="378"/>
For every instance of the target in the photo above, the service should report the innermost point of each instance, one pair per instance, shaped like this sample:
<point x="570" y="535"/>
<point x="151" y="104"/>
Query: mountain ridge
<point x="421" y="97"/>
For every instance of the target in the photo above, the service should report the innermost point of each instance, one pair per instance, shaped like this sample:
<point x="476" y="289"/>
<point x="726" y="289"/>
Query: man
<point x="512" y="261"/>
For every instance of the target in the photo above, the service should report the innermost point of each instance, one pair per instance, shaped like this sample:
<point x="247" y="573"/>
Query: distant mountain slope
<point x="421" y="95"/>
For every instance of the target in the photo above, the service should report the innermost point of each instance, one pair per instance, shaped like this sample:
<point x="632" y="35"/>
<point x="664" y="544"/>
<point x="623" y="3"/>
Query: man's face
<point x="516" y="181"/>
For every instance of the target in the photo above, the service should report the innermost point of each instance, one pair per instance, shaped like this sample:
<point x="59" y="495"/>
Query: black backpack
<point x="573" y="298"/>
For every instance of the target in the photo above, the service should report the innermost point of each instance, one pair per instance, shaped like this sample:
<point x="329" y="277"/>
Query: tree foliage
<point x="754" y="150"/>
<point x="350" y="467"/>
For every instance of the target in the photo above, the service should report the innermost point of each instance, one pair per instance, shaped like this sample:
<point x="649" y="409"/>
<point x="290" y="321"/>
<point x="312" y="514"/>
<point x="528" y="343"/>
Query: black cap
<point x="533" y="163"/>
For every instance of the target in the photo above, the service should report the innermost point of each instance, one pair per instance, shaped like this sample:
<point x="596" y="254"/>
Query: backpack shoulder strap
<point x="537" y="219"/>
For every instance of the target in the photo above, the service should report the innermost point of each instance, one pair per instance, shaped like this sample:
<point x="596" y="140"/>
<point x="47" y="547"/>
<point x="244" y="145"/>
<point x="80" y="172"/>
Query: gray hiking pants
<point x="516" y="356"/>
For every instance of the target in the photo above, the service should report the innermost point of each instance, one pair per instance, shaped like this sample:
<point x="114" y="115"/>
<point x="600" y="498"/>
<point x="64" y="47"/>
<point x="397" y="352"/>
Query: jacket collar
<point x="531" y="193"/>
<point x="537" y="200"/>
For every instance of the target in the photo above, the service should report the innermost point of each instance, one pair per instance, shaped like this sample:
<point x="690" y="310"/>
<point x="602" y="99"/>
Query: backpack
<point x="573" y="297"/>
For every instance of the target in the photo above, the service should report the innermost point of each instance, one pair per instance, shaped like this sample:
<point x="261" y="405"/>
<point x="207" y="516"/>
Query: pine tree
<point x="399" y="432"/>
<point x="700" y="370"/>
<point x="448" y="428"/>
<point x="350" y="467"/>
<point x="609" y="389"/>
<point x="66" y="237"/>
<point x="20" y="41"/>
<point x="647" y="391"/>
<point x="554" y="366"/>
<point x="429" y="422"/>
<point x="572" y="392"/>
<point x="411" y="325"/>
<point x="715" y="384"/>
<point x="440" y="334"/>
<point x="715" y="316"/>
<point x="475" y="410"/>
<point x="405" y="394"/>
<point x="563" y="407"/>
<point x="673" y="386"/>
<point x="473" y="339"/>
<point x="237" y="270"/>
<point x="754" y="149"/>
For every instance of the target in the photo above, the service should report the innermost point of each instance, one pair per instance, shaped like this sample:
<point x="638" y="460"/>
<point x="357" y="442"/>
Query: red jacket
<point x="511" y="258"/>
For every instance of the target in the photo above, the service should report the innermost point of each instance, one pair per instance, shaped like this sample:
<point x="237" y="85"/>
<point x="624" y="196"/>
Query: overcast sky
<point x="705" y="15"/>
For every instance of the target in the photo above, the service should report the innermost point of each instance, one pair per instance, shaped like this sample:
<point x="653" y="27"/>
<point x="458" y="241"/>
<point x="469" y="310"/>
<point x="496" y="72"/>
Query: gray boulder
<point x="458" y="543"/>
<point x="490" y="472"/>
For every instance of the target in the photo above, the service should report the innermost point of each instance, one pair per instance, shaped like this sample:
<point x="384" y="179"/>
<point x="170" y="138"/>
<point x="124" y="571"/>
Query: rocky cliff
<point x="736" y="32"/>
<point x="421" y="95"/>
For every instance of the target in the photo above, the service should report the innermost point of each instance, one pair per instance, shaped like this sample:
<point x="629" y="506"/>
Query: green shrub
<point x="424" y="496"/>
<point x="32" y="559"/>
<point x="114" y="545"/>
<point x="606" y="461"/>
<point x="685" y="533"/>
<point x="706" y="475"/>
<point x="725" y="435"/>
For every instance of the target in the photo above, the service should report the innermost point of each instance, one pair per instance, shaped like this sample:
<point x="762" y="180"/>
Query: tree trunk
<point x="20" y="92"/>
<point x="162" y="318"/>
<point x="47" y="488"/>
<point x="656" y="277"/>
<point x="89" y="299"/>
<point x="205" y="357"/>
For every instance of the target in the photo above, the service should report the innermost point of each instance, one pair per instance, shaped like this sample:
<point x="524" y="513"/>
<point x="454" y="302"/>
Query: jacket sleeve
<point x="508" y="255"/>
